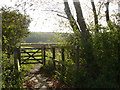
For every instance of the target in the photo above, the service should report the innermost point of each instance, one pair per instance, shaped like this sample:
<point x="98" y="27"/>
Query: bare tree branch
<point x="62" y="16"/>
<point x="100" y="8"/>
<point x="53" y="11"/>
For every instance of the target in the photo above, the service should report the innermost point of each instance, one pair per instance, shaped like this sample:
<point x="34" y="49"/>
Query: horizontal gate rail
<point x="30" y="48"/>
<point x="31" y="52"/>
<point x="30" y="59"/>
<point x="33" y="63"/>
<point x="31" y="56"/>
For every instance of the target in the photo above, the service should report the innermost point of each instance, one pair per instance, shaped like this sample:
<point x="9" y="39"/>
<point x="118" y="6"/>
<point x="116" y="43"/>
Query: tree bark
<point x="95" y="15"/>
<point x="80" y="19"/>
<point x="86" y="38"/>
<point x="71" y="18"/>
<point x="107" y="12"/>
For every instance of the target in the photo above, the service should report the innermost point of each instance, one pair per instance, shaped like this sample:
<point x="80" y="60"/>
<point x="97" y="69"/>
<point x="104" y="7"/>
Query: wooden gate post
<point x="16" y="58"/>
<point x="53" y="58"/>
<point x="77" y="57"/>
<point x="19" y="56"/>
<point x="77" y="63"/>
<point x="44" y="60"/>
<point x="63" y="59"/>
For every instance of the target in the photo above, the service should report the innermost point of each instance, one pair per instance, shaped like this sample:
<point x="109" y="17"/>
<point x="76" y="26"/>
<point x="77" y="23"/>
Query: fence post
<point x="16" y="62"/>
<point x="77" y="57"/>
<point x="53" y="58"/>
<point x="77" y="64"/>
<point x="16" y="58"/>
<point x="19" y="56"/>
<point x="44" y="61"/>
<point x="63" y="59"/>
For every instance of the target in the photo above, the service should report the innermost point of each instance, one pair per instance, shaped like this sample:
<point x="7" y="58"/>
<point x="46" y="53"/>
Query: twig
<point x="62" y="16"/>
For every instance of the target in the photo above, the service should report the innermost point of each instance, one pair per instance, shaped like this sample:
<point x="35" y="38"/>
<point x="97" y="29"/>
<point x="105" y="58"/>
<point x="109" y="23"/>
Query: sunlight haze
<point x="46" y="20"/>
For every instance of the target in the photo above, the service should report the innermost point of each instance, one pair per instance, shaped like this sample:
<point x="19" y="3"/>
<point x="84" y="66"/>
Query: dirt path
<point x="38" y="80"/>
<point x="42" y="80"/>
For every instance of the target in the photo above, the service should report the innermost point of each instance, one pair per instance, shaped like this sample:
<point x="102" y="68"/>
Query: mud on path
<point x="39" y="79"/>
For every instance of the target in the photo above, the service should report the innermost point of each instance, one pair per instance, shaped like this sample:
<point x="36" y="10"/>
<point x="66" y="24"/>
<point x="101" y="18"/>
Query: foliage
<point x="99" y="50"/>
<point x="14" y="28"/>
<point x="102" y="71"/>
<point x="105" y="46"/>
<point x="10" y="78"/>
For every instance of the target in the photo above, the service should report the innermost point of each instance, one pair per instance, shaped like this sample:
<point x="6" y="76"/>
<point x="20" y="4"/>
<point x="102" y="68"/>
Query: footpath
<point x="40" y="80"/>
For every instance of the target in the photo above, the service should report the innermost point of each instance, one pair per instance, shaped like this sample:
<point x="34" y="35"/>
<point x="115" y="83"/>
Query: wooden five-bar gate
<point x="33" y="54"/>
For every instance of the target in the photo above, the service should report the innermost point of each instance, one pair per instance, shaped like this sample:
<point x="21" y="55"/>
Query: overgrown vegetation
<point x="14" y="29"/>
<point x="103" y="70"/>
<point x="98" y="50"/>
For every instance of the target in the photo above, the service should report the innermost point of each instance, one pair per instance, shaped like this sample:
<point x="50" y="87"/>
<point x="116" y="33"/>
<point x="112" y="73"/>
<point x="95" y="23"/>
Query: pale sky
<point x="43" y="20"/>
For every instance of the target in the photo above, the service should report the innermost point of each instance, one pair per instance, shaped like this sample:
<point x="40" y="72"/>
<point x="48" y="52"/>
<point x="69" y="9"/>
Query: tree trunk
<point x="71" y="18"/>
<point x="107" y="12"/>
<point x="95" y="15"/>
<point x="85" y="34"/>
<point x="86" y="40"/>
<point x="80" y="19"/>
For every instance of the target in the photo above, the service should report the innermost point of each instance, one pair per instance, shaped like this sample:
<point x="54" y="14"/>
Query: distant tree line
<point x="43" y="37"/>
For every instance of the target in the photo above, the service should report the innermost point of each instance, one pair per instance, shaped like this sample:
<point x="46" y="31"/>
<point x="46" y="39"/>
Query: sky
<point x="45" y="20"/>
